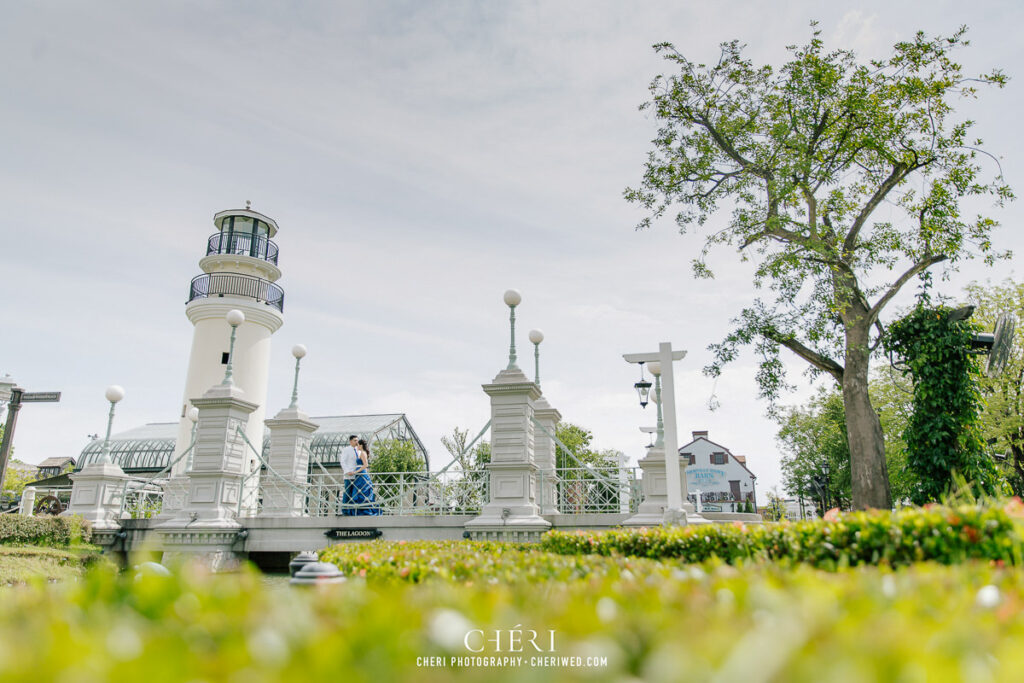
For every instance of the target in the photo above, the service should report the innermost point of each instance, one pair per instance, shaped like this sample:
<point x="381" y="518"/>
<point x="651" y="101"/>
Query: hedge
<point x="947" y="535"/>
<point x="44" y="531"/>
<point x="476" y="561"/>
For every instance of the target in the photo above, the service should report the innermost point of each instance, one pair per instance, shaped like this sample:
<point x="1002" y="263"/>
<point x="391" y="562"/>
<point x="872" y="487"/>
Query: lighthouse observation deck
<point x="242" y="244"/>
<point x="236" y="284"/>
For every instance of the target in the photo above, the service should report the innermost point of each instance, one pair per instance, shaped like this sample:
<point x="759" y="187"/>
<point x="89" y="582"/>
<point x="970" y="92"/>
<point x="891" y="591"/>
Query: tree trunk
<point x="868" y="473"/>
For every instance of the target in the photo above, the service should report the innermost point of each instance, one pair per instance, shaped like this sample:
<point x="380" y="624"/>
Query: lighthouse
<point x="240" y="272"/>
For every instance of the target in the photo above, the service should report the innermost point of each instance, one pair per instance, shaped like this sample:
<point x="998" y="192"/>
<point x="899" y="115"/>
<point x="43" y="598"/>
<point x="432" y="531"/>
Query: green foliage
<point x="15" y="478"/>
<point x="577" y="440"/>
<point x="775" y="510"/>
<point x="940" y="534"/>
<point x="943" y="435"/>
<point x="816" y="460"/>
<point x="471" y="561"/>
<point x="394" y="455"/>
<point x="653" y="623"/>
<point x="44" y="531"/>
<point x="28" y="564"/>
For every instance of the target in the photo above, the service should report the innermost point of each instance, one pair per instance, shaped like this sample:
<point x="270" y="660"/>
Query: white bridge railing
<point x="595" y="489"/>
<point x="394" y="493"/>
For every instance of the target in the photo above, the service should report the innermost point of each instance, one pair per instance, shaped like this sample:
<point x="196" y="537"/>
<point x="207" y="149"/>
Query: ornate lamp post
<point x="113" y="394"/>
<point x="512" y="299"/>
<point x="299" y="351"/>
<point x="235" y="318"/>
<point x="536" y="336"/>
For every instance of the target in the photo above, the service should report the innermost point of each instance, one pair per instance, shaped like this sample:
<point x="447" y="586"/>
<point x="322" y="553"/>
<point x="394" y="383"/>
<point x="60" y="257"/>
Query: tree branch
<point x="811" y="356"/>
<point x="899" y="172"/>
<point x="921" y="265"/>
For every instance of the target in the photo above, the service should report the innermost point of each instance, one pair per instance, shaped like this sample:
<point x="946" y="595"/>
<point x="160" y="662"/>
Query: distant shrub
<point x="941" y="534"/>
<point x="44" y="531"/>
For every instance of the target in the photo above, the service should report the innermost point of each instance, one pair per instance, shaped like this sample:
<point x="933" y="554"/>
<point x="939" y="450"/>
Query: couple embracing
<point x="358" y="497"/>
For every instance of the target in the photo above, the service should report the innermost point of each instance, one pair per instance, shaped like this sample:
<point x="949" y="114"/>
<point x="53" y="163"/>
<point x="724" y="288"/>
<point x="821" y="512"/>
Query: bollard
<point x="301" y="560"/>
<point x="317" y="573"/>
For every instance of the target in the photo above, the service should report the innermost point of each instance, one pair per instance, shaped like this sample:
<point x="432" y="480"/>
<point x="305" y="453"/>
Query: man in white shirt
<point x="349" y="463"/>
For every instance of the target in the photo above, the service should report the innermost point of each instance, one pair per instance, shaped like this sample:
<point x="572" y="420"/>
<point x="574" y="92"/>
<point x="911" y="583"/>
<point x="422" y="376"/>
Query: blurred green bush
<point x="759" y="622"/>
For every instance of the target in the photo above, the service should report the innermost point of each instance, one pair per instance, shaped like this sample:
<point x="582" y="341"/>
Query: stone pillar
<point x="96" y="494"/>
<point x="513" y="512"/>
<point x="207" y="525"/>
<point x="651" y="510"/>
<point x="28" y="501"/>
<point x="290" y="435"/>
<point x="544" y="450"/>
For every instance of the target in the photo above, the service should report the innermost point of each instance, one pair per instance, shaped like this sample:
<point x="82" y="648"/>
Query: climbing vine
<point x="943" y="437"/>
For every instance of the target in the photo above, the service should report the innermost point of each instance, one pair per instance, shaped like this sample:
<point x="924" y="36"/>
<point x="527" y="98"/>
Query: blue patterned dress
<point x="362" y="496"/>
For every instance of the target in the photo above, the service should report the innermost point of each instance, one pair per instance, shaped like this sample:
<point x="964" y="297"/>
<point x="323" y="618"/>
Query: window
<point x="224" y="358"/>
<point x="691" y="458"/>
<point x="718" y="458"/>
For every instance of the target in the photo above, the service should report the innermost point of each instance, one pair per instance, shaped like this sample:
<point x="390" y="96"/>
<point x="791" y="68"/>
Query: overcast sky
<point x="420" y="158"/>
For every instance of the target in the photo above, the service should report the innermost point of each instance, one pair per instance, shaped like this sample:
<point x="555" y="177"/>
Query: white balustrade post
<point x="291" y="433"/>
<point x="513" y="512"/>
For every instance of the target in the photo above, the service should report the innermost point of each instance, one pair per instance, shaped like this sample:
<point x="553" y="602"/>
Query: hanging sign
<point x="353" y="534"/>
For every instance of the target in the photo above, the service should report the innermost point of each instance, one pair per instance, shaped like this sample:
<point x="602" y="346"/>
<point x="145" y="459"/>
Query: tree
<point x="1002" y="422"/>
<point x="803" y="156"/>
<point x="775" y="511"/>
<point x="816" y="464"/>
<point x="577" y="440"/>
<point x="471" y="459"/>
<point x="394" y="455"/>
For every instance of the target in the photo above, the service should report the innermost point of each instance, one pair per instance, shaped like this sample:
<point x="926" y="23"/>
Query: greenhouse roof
<point x="149" y="447"/>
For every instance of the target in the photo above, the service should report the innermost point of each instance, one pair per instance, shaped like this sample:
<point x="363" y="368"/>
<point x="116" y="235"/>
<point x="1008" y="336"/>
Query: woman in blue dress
<point x="363" y="496"/>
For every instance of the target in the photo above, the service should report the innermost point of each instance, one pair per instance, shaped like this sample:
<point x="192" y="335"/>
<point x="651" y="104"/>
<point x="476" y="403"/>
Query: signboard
<point x="40" y="397"/>
<point x="353" y="534"/>
<point x="705" y="478"/>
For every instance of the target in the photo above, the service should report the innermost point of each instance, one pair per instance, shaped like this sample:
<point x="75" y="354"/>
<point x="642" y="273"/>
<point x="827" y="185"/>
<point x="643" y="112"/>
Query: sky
<point x="420" y="158"/>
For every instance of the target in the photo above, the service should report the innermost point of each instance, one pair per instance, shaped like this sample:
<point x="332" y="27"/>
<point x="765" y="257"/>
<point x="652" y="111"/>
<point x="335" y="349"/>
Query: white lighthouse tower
<point x="239" y="272"/>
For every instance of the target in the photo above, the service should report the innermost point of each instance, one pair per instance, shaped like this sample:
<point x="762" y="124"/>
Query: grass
<point x="31" y="564"/>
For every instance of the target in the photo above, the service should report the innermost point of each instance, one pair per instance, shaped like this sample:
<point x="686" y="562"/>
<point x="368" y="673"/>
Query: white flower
<point x="889" y="586"/>
<point x="606" y="609"/>
<point x="448" y="628"/>
<point x="988" y="597"/>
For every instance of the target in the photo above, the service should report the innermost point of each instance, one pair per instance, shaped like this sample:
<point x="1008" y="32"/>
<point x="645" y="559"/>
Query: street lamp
<point x="299" y="351"/>
<point x="536" y="336"/>
<point x="235" y="318"/>
<point x="512" y="299"/>
<point x="643" y="388"/>
<point x="114" y="394"/>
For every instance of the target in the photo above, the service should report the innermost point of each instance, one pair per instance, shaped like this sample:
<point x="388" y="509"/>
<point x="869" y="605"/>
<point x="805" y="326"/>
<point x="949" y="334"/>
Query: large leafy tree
<point x="803" y="156"/>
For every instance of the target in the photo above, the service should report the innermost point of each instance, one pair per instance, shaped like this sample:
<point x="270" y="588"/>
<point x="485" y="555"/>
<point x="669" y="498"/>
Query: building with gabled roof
<point x="723" y="478"/>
